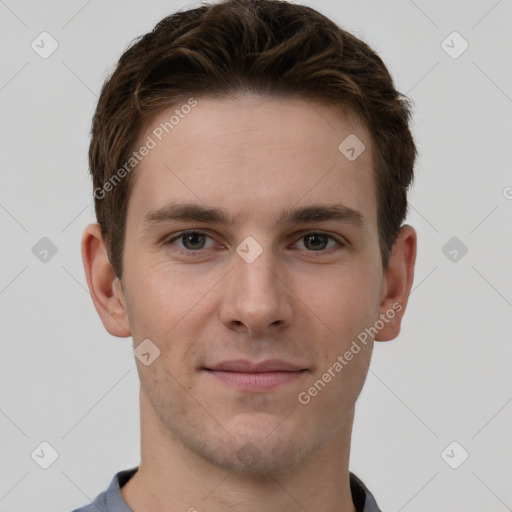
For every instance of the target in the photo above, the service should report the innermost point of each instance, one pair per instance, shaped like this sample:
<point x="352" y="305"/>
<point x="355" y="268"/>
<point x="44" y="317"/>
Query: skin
<point x="253" y="157"/>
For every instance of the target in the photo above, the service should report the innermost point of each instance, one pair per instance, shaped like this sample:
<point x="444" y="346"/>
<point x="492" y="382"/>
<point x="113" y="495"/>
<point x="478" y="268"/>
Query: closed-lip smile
<point x="262" y="376"/>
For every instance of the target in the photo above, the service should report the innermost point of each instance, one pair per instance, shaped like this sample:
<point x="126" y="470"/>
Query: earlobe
<point x="397" y="283"/>
<point x="107" y="296"/>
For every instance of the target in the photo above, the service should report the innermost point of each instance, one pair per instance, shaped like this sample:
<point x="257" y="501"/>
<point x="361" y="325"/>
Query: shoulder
<point x="98" y="505"/>
<point x="111" y="500"/>
<point x="363" y="499"/>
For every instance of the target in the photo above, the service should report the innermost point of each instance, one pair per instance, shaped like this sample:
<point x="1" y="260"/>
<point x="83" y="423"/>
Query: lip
<point x="256" y="377"/>
<point x="244" y="366"/>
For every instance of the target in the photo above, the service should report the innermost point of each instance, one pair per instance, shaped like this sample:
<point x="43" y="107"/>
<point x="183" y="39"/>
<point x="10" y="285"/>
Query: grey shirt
<point x="112" y="501"/>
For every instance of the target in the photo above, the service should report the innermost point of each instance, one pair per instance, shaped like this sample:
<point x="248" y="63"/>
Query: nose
<point x="258" y="295"/>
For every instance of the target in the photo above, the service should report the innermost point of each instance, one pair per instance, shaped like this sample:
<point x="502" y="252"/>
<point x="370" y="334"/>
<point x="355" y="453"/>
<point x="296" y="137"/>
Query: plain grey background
<point x="65" y="381"/>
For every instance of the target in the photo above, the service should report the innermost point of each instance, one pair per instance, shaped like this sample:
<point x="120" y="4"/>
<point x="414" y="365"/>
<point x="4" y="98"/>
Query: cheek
<point x="344" y="358"/>
<point x="165" y="309"/>
<point x="169" y="393"/>
<point x="344" y="300"/>
<point x="162" y="297"/>
<point x="347" y="383"/>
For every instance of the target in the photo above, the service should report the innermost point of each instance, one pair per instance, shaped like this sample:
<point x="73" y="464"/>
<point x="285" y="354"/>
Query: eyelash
<point x="199" y="252"/>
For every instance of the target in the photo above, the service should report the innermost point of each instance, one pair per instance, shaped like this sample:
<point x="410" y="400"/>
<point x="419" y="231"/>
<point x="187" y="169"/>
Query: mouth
<point x="256" y="377"/>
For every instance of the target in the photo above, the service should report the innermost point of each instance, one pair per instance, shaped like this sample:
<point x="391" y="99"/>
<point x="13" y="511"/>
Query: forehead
<point x="248" y="154"/>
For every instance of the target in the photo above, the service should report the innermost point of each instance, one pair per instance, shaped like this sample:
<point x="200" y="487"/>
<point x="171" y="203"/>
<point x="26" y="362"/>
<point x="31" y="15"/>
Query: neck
<point x="172" y="478"/>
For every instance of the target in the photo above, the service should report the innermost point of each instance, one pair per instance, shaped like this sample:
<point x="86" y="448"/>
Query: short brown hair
<point x="268" y="47"/>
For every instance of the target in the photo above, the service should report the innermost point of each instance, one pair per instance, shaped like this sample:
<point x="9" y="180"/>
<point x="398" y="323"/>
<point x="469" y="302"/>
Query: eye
<point x="193" y="241"/>
<point x="317" y="242"/>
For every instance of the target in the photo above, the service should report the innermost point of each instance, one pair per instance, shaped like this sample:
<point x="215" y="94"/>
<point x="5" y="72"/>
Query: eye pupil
<point x="193" y="237"/>
<point x="317" y="237"/>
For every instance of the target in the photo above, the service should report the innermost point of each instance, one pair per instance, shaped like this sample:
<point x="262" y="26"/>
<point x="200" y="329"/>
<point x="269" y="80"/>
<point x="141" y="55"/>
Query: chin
<point x="259" y="450"/>
<point x="254" y="459"/>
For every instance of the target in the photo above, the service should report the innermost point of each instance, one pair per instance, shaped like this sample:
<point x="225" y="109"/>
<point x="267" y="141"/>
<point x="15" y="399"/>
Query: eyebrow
<point x="194" y="212"/>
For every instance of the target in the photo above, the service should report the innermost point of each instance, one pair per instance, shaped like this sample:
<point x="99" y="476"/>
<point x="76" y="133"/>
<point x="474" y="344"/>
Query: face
<point x="251" y="308"/>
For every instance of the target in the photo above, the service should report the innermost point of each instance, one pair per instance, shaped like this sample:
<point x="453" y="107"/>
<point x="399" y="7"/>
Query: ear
<point x="104" y="286"/>
<point x="397" y="283"/>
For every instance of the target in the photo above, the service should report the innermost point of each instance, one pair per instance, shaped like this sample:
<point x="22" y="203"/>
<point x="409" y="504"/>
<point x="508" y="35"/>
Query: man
<point x="250" y="163"/>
